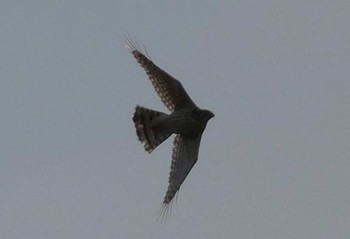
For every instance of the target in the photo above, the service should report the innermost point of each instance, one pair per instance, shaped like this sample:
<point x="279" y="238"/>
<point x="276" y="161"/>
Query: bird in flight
<point x="186" y="120"/>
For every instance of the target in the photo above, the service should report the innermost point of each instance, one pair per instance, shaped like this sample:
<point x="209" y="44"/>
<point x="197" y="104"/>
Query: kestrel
<point x="186" y="120"/>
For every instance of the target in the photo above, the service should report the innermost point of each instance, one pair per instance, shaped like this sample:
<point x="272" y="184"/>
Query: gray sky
<point x="274" y="162"/>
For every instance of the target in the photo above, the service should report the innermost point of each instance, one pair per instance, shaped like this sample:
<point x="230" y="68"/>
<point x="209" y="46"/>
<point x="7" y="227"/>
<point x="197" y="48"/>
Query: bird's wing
<point x="170" y="90"/>
<point x="185" y="155"/>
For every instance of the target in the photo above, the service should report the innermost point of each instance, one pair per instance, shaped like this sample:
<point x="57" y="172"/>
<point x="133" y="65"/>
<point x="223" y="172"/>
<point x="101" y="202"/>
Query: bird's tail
<point x="148" y="124"/>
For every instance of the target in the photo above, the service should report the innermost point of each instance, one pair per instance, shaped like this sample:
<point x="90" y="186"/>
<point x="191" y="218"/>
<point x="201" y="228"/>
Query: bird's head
<point x="202" y="115"/>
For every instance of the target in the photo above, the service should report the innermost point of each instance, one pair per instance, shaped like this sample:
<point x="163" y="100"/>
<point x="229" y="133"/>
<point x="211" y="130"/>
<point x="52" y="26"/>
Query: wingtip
<point x="129" y="41"/>
<point x="164" y="212"/>
<point x="128" y="47"/>
<point x="133" y="46"/>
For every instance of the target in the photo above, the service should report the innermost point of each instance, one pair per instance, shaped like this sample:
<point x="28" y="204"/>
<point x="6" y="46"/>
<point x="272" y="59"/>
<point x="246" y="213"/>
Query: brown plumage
<point x="186" y="120"/>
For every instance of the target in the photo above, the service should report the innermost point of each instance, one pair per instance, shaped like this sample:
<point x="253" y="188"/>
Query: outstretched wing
<point x="185" y="155"/>
<point x="170" y="90"/>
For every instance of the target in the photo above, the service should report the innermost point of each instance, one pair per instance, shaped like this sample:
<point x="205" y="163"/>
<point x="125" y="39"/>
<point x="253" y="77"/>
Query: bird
<point x="186" y="120"/>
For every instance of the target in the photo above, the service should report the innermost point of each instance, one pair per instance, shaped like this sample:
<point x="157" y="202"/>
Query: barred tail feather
<point x="148" y="127"/>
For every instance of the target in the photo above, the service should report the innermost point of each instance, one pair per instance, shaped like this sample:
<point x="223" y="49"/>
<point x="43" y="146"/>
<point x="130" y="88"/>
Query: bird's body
<point x="181" y="122"/>
<point x="186" y="120"/>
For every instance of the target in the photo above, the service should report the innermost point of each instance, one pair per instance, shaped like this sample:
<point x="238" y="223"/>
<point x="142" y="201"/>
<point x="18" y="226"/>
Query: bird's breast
<point x="182" y="122"/>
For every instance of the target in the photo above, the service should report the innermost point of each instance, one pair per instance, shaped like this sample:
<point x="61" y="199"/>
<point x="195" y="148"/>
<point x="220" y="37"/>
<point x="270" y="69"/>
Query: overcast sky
<point x="273" y="163"/>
